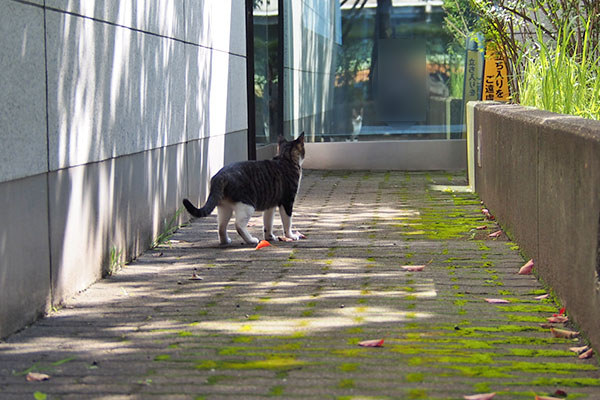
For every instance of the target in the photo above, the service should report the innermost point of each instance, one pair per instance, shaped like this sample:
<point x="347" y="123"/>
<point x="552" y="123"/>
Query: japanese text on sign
<point x="495" y="85"/>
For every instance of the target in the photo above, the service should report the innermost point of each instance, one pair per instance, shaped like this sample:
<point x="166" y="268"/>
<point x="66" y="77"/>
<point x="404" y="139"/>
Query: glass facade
<point x="364" y="70"/>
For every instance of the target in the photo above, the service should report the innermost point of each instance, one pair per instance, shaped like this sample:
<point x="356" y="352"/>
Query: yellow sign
<point x="495" y="78"/>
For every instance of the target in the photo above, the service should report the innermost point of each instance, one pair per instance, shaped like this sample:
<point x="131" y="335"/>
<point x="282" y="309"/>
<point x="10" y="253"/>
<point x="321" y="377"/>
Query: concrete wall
<point x="110" y="113"/>
<point x="411" y="155"/>
<point x="309" y="61"/>
<point x="539" y="173"/>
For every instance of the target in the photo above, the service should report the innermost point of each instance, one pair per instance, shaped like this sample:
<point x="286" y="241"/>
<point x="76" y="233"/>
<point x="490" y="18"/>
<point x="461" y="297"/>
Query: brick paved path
<point x="285" y="320"/>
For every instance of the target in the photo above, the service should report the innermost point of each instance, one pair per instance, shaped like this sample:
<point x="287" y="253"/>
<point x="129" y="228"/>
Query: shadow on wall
<point x="136" y="122"/>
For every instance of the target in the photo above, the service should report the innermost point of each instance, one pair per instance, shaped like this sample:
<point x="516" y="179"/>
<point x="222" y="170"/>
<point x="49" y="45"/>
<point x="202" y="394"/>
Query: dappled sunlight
<point x="331" y="320"/>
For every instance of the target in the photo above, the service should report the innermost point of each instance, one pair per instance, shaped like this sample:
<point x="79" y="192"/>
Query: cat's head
<point x="292" y="150"/>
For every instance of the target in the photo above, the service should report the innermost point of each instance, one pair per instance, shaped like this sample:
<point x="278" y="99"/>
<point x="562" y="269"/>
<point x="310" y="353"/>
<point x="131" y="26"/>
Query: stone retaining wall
<point x="539" y="174"/>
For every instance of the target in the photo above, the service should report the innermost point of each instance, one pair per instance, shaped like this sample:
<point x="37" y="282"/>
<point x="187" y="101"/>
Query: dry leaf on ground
<point x="563" y="333"/>
<point x="413" y="268"/>
<point x="497" y="301"/>
<point x="586" y="354"/>
<point x="559" y="319"/>
<point x="371" y="343"/>
<point x="495" y="234"/>
<point x="526" y="269"/>
<point x="196" y="277"/>
<point x="36" y="377"/>
<point x="481" y="396"/>
<point x="579" y="350"/>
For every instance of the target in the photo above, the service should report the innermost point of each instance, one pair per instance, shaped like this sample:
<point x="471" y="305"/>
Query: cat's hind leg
<point x="243" y="213"/>
<point x="224" y="215"/>
<point x="268" y="223"/>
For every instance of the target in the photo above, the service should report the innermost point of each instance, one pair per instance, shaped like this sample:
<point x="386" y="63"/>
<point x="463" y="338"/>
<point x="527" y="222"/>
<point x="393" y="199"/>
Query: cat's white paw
<point x="270" y="237"/>
<point x="292" y="236"/>
<point x="253" y="240"/>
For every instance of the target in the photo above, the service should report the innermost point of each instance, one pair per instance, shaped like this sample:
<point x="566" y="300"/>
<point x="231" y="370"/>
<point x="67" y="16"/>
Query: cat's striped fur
<point x="249" y="186"/>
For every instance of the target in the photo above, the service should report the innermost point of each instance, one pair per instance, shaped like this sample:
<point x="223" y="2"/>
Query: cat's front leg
<point x="268" y="223"/>
<point x="286" y="220"/>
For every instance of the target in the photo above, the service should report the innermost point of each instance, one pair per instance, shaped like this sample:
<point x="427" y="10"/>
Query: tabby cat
<point x="249" y="186"/>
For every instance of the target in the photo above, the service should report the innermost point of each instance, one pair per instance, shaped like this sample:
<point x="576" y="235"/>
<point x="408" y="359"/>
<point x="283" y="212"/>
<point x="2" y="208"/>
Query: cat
<point x="248" y="186"/>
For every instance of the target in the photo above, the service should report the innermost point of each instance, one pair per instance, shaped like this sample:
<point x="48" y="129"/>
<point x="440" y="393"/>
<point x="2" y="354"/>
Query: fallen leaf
<point x="481" y="228"/>
<point x="36" y="377"/>
<point x="481" y="396"/>
<point x="542" y="297"/>
<point x="560" y="393"/>
<point x="526" y="269"/>
<point x="562" y="311"/>
<point x="563" y="333"/>
<point x="497" y="301"/>
<point x="579" y="350"/>
<point x="546" y="326"/>
<point x="546" y="398"/>
<point x="261" y="244"/>
<point x="371" y="343"/>
<point x="495" y="234"/>
<point x="413" y="268"/>
<point x="559" y="319"/>
<point x="586" y="354"/>
<point x="196" y="277"/>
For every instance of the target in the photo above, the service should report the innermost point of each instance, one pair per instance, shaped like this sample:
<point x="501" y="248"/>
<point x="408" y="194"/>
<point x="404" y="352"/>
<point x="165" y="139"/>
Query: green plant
<point x="514" y="28"/>
<point x="169" y="229"/>
<point x="116" y="260"/>
<point x="563" y="81"/>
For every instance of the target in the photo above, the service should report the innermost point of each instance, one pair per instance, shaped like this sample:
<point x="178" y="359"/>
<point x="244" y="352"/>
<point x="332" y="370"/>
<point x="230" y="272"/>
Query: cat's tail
<point x="214" y="197"/>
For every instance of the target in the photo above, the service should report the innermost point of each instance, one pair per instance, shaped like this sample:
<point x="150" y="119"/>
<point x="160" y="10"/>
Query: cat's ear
<point x="301" y="138"/>
<point x="281" y="139"/>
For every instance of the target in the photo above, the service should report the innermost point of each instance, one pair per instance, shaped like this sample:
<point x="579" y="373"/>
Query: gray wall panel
<point x="22" y="92"/>
<point x="24" y="256"/>
<point x="119" y="203"/>
<point x="163" y="17"/>
<point x="217" y="24"/>
<point x="112" y="91"/>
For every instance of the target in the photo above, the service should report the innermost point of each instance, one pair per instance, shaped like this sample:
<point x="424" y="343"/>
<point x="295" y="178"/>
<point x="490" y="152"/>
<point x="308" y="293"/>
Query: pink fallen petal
<point x="371" y="343"/>
<point x="284" y="239"/>
<point x="36" y="377"/>
<point x="481" y="228"/>
<point x="542" y="297"/>
<point x="579" y="350"/>
<point x="495" y="234"/>
<point x="546" y="398"/>
<point x="413" y="268"/>
<point x="561" y="393"/>
<point x="586" y="354"/>
<point x="526" y="269"/>
<point x="481" y="396"/>
<point x="559" y="319"/>
<point x="497" y="301"/>
<point x="563" y="333"/>
<point x="485" y="211"/>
